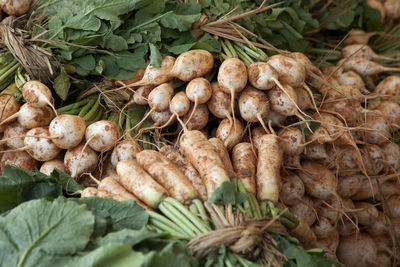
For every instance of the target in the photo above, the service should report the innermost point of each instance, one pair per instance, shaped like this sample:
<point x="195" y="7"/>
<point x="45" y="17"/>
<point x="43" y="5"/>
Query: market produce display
<point x="199" y="133"/>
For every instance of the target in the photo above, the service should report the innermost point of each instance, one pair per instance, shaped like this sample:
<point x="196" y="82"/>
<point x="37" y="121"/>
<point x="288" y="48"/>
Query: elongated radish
<point x="291" y="140"/>
<point x="67" y="130"/>
<point x="362" y="51"/>
<point x="196" y="119"/>
<point x="290" y="72"/>
<point x="37" y="94"/>
<point x="389" y="87"/>
<point x="167" y="174"/>
<point x="365" y="66"/>
<point x="102" y="135"/>
<point x="268" y="164"/>
<point x="158" y="100"/>
<point x="19" y="159"/>
<point x="14" y="135"/>
<point x="256" y="135"/>
<point x="89" y="192"/>
<point x="357" y="250"/>
<point x="49" y="166"/>
<point x="230" y="133"/>
<point x="156" y="76"/>
<point x="323" y="228"/>
<point x="366" y="212"/>
<point x="262" y="75"/>
<point x="244" y="163"/>
<point x="224" y="155"/>
<point x="232" y="78"/>
<point x="126" y="149"/>
<point x="186" y="167"/>
<point x="141" y="94"/>
<point x="30" y="116"/>
<point x="135" y="179"/>
<point x="108" y="170"/>
<point x="201" y="153"/>
<point x="253" y="105"/>
<point x="304" y="209"/>
<point x="318" y="180"/>
<point x="357" y="36"/>
<point x="292" y="190"/>
<point x="112" y="186"/>
<point x="220" y="102"/>
<point x="349" y="185"/>
<point x="79" y="160"/>
<point x="192" y="64"/>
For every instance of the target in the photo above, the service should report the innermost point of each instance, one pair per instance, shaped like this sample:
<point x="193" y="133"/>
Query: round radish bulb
<point x="361" y="51"/>
<point x="392" y="155"/>
<point x="275" y="118"/>
<point x="384" y="241"/>
<point x="78" y="161"/>
<point x="49" y="166"/>
<point x="392" y="8"/>
<point x="303" y="99"/>
<point x="253" y="105"/>
<point x="67" y="130"/>
<point x="292" y="189"/>
<point x="180" y="104"/>
<point x="232" y="78"/>
<point x="391" y="112"/>
<point x="160" y="97"/>
<point x="383" y="259"/>
<point x="30" y="116"/>
<point x="262" y="75"/>
<point x="357" y="250"/>
<point x="349" y="185"/>
<point x="378" y="226"/>
<point x="290" y="72"/>
<point x="291" y="141"/>
<point x="345" y="92"/>
<point x="126" y="149"/>
<point x="390" y="86"/>
<point x="102" y="135"/>
<point x="155" y="76"/>
<point x="15" y="7"/>
<point x="8" y="107"/>
<point x="14" y="133"/>
<point x="315" y="151"/>
<point x="304" y="209"/>
<point x="305" y="62"/>
<point x="219" y="103"/>
<point x="292" y="162"/>
<point x="366" y="212"/>
<point x="377" y="129"/>
<point x="350" y="78"/>
<point x="199" y="90"/>
<point x="373" y="158"/>
<point x="393" y="202"/>
<point x="347" y="227"/>
<point x="40" y="145"/>
<point x="331" y="130"/>
<point x="330" y="208"/>
<point x="365" y="191"/>
<point x="323" y="228"/>
<point x="330" y="243"/>
<point x="19" y="159"/>
<point x="38" y="94"/>
<point x="164" y="118"/>
<point x="198" y="117"/>
<point x="192" y="64"/>
<point x="141" y="94"/>
<point x="283" y="101"/>
<point x="357" y="36"/>
<point x="230" y="133"/>
<point x="256" y="134"/>
<point x="364" y="66"/>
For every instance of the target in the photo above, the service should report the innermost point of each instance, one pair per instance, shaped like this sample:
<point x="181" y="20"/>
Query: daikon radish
<point x="244" y="162"/>
<point x="224" y="155"/>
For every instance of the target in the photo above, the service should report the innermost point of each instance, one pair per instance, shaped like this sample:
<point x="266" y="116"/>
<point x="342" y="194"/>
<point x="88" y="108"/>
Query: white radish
<point x="124" y="150"/>
<point x="49" y="166"/>
<point x="199" y="117"/>
<point x="30" y="116"/>
<point x="365" y="66"/>
<point x="262" y="75"/>
<point x="219" y="103"/>
<point x="39" y="145"/>
<point x="37" y="94"/>
<point x="389" y="87"/>
<point x="377" y="130"/>
<point x="15" y="7"/>
<point x="161" y="119"/>
<point x="362" y="51"/>
<point x="357" y="250"/>
<point x="141" y="94"/>
<point x="303" y="99"/>
<point x="199" y="92"/>
<point x="102" y="135"/>
<point x="275" y="118"/>
<point x="357" y="36"/>
<point x="290" y="72"/>
<point x="232" y="78"/>
<point x="292" y="189"/>
<point x="391" y="112"/>
<point x="378" y="226"/>
<point x="305" y="62"/>
<point x="80" y="159"/>
<point x="366" y="212"/>
<point x="284" y="100"/>
<point x="316" y="151"/>
<point x="303" y="208"/>
<point x="393" y="203"/>
<point x="256" y="135"/>
<point x="392" y="8"/>
<point x="244" y="162"/>
<point x="350" y="78"/>
<point x="392" y="155"/>
<point x="349" y="185"/>
<point x="67" y="130"/>
<point x="291" y="140"/>
<point x="331" y="209"/>
<point x="230" y="133"/>
<point x="19" y="159"/>
<point x="8" y="107"/>
<point x="192" y="64"/>
<point x="323" y="228"/>
<point x="253" y="105"/>
<point x="14" y="135"/>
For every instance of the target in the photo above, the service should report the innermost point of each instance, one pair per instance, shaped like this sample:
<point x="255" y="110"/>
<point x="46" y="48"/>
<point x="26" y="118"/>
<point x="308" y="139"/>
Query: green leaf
<point x="41" y="190"/>
<point x="126" y="214"/>
<point x="62" y="84"/>
<point x="113" y="254"/>
<point x="66" y="181"/>
<point x="155" y="56"/>
<point x="86" y="62"/>
<point x="36" y="231"/>
<point x="227" y="193"/>
<point x="183" y="16"/>
<point x="114" y="43"/>
<point x="127" y="237"/>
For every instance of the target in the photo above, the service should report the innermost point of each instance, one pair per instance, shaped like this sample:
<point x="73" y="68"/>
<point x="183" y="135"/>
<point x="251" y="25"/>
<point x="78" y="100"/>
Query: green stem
<point x="178" y="218"/>
<point x="193" y="209"/>
<point x="287" y="223"/>
<point x="225" y="49"/>
<point x="256" y="207"/>
<point x="10" y="71"/>
<point x="72" y="106"/>
<point x="8" y="66"/>
<point x="243" y="56"/>
<point x="86" y="108"/>
<point x="248" y="50"/>
<point x="230" y="47"/>
<point x="166" y="228"/>
<point x="195" y="220"/>
<point x="155" y="216"/>
<point x="92" y="112"/>
<point x="97" y="118"/>
<point x="263" y="208"/>
<point x="202" y="211"/>
<point x="150" y="21"/>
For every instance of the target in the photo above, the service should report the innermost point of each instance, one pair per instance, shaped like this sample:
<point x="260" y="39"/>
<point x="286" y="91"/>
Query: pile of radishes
<point x="256" y="124"/>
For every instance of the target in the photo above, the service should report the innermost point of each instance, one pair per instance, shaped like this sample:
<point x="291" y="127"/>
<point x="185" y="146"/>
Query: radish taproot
<point x="49" y="166"/>
<point x="167" y="174"/>
<point x="186" y="167"/>
<point x="201" y="153"/>
<point x="244" y="163"/>
<point x="135" y="179"/>
<point x="67" y="130"/>
<point x="224" y="155"/>
<point x="269" y="162"/>
<point x="365" y="66"/>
